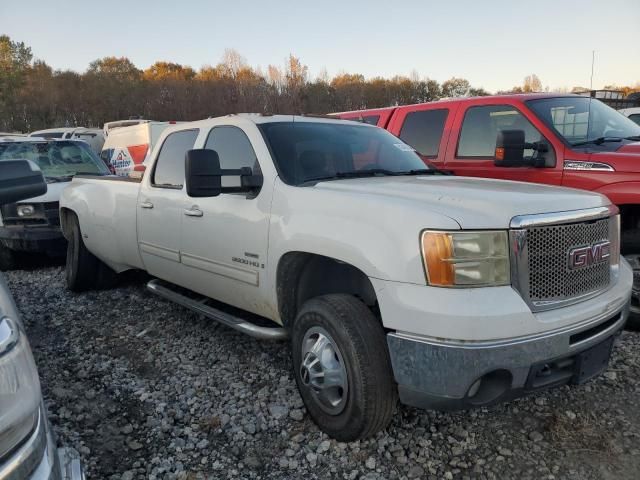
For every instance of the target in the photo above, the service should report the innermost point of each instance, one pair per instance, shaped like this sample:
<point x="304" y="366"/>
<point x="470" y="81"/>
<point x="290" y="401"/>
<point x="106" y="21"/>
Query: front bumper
<point x="38" y="458"/>
<point x="438" y="372"/>
<point x="46" y="239"/>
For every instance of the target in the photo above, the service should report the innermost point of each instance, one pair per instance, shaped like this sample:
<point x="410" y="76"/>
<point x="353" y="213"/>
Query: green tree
<point x="121" y="68"/>
<point x="455" y="87"/>
<point x="15" y="60"/>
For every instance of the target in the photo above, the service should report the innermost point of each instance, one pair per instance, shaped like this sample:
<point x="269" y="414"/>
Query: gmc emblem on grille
<point x="581" y="257"/>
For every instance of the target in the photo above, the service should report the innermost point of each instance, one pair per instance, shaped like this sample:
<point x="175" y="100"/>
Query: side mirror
<point x="19" y="180"/>
<point x="203" y="175"/>
<point x="510" y="147"/>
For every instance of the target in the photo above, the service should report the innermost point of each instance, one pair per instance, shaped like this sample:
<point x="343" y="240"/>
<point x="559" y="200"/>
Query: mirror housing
<point x="19" y="180"/>
<point x="203" y="175"/>
<point x="510" y="147"/>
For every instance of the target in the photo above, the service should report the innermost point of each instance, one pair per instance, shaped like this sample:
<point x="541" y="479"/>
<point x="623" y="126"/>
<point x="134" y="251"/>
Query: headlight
<point x="19" y="387"/>
<point x="466" y="259"/>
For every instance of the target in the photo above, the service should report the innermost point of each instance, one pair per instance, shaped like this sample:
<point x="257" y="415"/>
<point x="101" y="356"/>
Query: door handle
<point x="193" y="212"/>
<point x="146" y="205"/>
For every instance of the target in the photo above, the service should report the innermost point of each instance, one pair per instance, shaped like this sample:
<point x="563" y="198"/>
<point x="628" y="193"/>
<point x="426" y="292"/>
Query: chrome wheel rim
<point x="323" y="372"/>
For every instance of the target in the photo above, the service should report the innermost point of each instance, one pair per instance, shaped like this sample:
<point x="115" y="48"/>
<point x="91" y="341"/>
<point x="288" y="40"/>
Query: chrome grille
<point x="549" y="276"/>
<point x="541" y="246"/>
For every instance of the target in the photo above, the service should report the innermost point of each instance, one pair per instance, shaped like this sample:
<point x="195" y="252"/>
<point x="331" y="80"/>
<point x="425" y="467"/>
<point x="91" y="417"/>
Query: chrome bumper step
<point x="199" y="305"/>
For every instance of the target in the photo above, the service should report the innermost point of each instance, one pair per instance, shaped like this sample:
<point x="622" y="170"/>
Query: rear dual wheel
<point x="84" y="271"/>
<point x="342" y="367"/>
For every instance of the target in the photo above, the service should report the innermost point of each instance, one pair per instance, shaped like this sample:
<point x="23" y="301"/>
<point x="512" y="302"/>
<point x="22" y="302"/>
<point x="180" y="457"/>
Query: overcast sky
<point x="494" y="44"/>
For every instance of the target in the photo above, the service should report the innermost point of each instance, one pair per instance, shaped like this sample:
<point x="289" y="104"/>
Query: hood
<point x="626" y="159"/>
<point x="471" y="202"/>
<point x="54" y="190"/>
<point x="630" y="148"/>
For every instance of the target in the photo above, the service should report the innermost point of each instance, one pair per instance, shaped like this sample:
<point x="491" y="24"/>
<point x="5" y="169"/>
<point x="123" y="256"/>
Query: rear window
<point x="423" y="130"/>
<point x="49" y="135"/>
<point x="369" y="119"/>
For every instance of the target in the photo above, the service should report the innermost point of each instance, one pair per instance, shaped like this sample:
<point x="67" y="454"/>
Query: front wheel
<point x="342" y="367"/>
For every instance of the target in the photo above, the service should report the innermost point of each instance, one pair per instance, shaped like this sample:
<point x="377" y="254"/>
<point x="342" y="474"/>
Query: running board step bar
<point x="164" y="290"/>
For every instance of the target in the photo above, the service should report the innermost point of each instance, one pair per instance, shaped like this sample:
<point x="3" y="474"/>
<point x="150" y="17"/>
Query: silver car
<point x="28" y="447"/>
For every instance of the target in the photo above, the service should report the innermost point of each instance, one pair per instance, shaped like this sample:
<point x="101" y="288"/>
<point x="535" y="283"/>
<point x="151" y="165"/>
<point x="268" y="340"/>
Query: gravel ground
<point x="145" y="389"/>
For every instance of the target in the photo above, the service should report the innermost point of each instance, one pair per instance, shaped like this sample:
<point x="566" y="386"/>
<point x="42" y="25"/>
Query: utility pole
<point x="593" y="61"/>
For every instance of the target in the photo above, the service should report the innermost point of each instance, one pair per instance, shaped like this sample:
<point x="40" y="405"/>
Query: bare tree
<point x="532" y="84"/>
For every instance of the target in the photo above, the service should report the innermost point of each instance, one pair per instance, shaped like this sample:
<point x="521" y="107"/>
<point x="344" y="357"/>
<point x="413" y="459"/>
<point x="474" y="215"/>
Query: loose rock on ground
<point x="144" y="389"/>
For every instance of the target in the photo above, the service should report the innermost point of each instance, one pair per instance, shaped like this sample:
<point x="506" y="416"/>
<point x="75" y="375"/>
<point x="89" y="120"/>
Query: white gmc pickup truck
<point x="389" y="277"/>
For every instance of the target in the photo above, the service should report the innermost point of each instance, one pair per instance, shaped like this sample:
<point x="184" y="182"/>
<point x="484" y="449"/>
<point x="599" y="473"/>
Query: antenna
<point x="591" y="93"/>
<point x="593" y="61"/>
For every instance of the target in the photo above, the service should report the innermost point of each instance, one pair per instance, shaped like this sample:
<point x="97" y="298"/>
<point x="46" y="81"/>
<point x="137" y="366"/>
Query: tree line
<point x="35" y="96"/>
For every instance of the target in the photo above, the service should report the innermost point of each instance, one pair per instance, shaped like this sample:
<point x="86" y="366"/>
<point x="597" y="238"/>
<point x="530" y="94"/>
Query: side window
<point x="169" y="169"/>
<point x="480" y="130"/>
<point x="635" y="117"/>
<point x="423" y="130"/>
<point x="233" y="147"/>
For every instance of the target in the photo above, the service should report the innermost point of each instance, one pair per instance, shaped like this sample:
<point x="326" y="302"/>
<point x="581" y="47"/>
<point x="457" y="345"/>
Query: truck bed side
<point x="106" y="209"/>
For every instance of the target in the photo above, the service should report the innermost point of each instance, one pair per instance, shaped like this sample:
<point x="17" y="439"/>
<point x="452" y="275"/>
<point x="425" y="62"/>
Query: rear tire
<point x="82" y="267"/>
<point x="352" y="355"/>
<point x="8" y="259"/>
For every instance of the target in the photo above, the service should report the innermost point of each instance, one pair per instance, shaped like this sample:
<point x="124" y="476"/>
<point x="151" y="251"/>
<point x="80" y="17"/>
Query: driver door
<point x="471" y="150"/>
<point x="224" y="239"/>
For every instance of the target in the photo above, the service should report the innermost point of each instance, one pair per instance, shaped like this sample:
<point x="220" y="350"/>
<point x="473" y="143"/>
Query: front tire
<point x="342" y="367"/>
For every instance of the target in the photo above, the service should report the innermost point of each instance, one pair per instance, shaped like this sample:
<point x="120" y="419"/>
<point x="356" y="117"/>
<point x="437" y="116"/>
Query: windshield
<point x="586" y="121"/>
<point x="311" y="151"/>
<point x="57" y="160"/>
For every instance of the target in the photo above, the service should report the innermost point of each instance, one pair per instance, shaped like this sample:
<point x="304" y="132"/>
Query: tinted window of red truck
<point x="423" y="130"/>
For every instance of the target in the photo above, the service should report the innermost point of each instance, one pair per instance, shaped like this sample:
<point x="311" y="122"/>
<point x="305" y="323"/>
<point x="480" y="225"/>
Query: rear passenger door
<point x="425" y="128"/>
<point x="471" y="150"/>
<point x="161" y="203"/>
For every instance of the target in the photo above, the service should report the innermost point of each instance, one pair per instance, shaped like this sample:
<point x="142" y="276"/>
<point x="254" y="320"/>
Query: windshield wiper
<point x="370" y="172"/>
<point x="633" y="137"/>
<point x="422" y="171"/>
<point x="373" y="172"/>
<point x="597" y="141"/>
<point x="54" y="179"/>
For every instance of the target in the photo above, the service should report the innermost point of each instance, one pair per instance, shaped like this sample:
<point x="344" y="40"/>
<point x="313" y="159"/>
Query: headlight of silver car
<point x="466" y="259"/>
<point x="19" y="387"/>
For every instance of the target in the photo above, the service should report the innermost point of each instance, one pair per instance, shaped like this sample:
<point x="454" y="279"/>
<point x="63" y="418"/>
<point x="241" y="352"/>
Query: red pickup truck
<point x="565" y="140"/>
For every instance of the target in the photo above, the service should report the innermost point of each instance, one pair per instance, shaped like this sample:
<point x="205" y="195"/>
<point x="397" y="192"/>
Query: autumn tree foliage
<point x="34" y="96"/>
